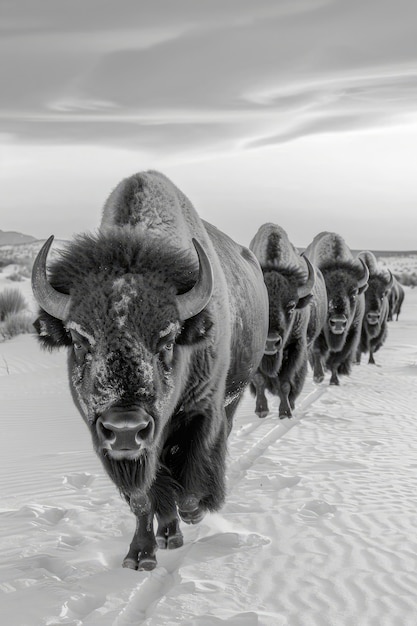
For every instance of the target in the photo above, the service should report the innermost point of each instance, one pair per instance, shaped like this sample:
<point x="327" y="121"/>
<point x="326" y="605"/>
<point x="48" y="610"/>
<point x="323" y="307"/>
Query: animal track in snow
<point x="78" y="480"/>
<point x="41" y="514"/>
<point x="80" y="605"/>
<point x="313" y="510"/>
<point x="52" y="566"/>
<point x="238" y="619"/>
<point x="275" y="482"/>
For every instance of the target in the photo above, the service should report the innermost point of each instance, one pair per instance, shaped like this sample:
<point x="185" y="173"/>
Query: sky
<point x="297" y="112"/>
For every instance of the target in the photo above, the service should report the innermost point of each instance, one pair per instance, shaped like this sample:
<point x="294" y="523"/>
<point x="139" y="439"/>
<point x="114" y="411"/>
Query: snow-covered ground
<point x="319" y="527"/>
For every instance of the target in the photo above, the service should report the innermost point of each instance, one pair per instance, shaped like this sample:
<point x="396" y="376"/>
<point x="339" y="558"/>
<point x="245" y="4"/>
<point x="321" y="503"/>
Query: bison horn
<point x="194" y="301"/>
<point x="307" y="288"/>
<point x="391" y="279"/>
<point x="52" y="301"/>
<point x="362" y="282"/>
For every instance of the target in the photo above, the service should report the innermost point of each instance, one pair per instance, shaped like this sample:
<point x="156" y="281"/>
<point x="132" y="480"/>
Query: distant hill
<point x="11" y="238"/>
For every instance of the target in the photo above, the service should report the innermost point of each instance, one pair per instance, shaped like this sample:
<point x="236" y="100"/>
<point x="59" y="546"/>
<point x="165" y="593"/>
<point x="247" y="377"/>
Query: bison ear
<point x="195" y="330"/>
<point x="302" y="302"/>
<point x="51" y="332"/>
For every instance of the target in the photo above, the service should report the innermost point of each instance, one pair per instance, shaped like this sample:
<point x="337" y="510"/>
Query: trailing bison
<point x="395" y="300"/>
<point x="165" y="320"/>
<point x="375" y="320"/>
<point x="297" y="312"/>
<point x="346" y="280"/>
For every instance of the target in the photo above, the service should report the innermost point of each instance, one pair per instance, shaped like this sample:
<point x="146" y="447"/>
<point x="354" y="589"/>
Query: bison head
<point x="129" y="311"/>
<point x="376" y="302"/>
<point x="345" y="282"/>
<point x="288" y="292"/>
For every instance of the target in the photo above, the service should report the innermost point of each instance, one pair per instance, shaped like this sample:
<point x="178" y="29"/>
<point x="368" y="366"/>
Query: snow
<point x="318" y="526"/>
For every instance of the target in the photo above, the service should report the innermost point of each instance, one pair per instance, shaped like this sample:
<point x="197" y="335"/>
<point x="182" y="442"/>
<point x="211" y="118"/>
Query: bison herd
<point x="167" y="320"/>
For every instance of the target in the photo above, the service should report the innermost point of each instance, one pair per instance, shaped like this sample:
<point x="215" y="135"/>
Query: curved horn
<point x="362" y="281"/>
<point x="391" y="279"/>
<point x="307" y="288"/>
<point x="53" y="302"/>
<point x="194" y="301"/>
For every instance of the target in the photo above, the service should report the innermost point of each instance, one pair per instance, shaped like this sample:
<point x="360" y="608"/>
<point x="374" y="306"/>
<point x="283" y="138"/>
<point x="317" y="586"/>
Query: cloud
<point x="191" y="77"/>
<point x="345" y="104"/>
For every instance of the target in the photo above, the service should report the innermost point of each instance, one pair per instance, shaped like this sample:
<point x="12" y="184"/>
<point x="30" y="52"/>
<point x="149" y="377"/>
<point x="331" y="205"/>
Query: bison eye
<point x="166" y="352"/>
<point x="80" y="352"/>
<point x="291" y="307"/>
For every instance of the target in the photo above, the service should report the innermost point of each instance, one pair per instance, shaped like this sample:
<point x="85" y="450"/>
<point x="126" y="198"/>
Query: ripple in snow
<point x="238" y="619"/>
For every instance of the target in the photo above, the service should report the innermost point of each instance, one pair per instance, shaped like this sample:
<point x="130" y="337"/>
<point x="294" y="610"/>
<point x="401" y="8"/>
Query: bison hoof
<point x="192" y="517"/>
<point x="130" y="563"/>
<point x="262" y="414"/>
<point x="318" y="379"/>
<point x="176" y="541"/>
<point x="190" y="510"/>
<point x="285" y="414"/>
<point x="147" y="562"/>
<point x="170" y="543"/>
<point x="146" y="565"/>
<point x="334" y="381"/>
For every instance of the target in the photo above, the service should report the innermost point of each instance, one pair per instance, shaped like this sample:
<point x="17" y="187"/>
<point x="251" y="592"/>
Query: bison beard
<point x="129" y="474"/>
<point x="336" y="342"/>
<point x="271" y="364"/>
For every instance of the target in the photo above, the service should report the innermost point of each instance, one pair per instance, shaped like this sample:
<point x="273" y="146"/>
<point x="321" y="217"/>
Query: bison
<point x="395" y="300"/>
<point x="346" y="279"/>
<point x="297" y="312"/>
<point x="165" y="320"/>
<point x="374" y="325"/>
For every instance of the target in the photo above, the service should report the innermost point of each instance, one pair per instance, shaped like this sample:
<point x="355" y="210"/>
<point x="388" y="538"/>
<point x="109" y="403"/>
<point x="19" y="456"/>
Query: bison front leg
<point x="318" y="358"/>
<point x="169" y="535"/>
<point x="258" y="384"/>
<point x="201" y="473"/>
<point x="284" y="405"/>
<point x="141" y="554"/>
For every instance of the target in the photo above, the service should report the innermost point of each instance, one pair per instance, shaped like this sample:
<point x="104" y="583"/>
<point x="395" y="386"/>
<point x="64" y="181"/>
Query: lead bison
<point x="297" y="312"/>
<point x="346" y="279"/>
<point x="375" y="319"/>
<point x="165" y="321"/>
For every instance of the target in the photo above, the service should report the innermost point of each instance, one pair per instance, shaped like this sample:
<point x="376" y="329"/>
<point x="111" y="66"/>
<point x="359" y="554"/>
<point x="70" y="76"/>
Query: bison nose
<point x="373" y="318"/>
<point x="125" y="429"/>
<point x="273" y="343"/>
<point x="337" y="324"/>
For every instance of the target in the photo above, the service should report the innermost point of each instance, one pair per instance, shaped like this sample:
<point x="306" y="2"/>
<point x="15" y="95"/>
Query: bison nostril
<point x="107" y="434"/>
<point x="144" y="433"/>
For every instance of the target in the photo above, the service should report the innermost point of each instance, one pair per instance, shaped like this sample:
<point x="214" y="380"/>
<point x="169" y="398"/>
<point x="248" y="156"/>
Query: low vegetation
<point x="404" y="268"/>
<point x="15" y="318"/>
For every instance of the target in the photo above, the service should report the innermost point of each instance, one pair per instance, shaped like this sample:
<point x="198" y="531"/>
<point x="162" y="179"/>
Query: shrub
<point x="11" y="301"/>
<point x="16" y="277"/>
<point x="16" y="324"/>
